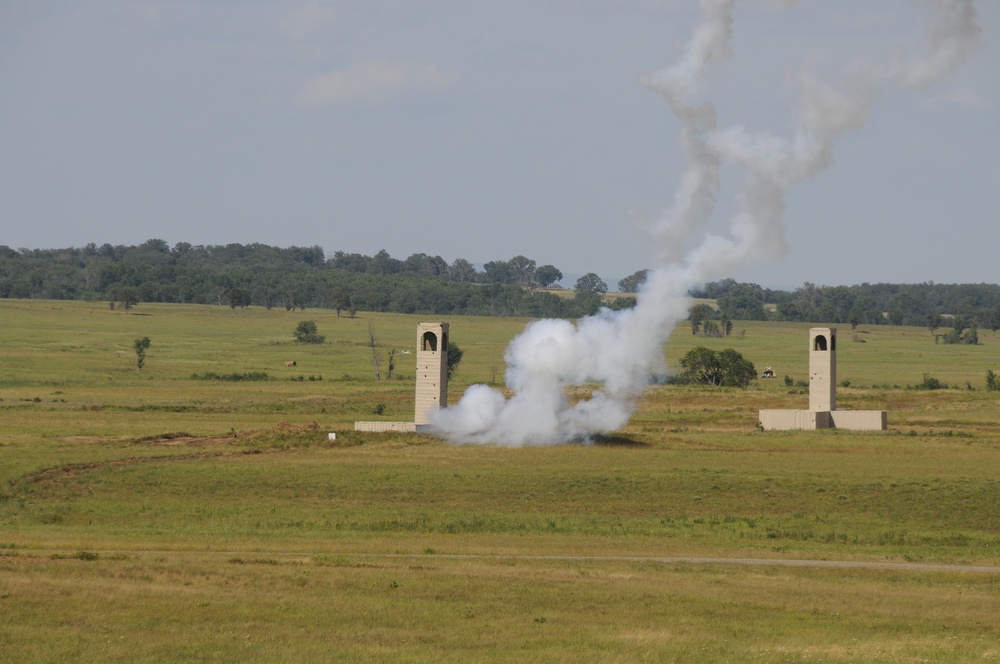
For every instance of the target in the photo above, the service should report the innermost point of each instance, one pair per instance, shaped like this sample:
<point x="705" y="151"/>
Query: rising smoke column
<point x="622" y="350"/>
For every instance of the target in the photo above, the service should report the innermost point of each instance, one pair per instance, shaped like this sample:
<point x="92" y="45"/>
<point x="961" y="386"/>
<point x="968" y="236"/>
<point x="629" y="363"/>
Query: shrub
<point x="234" y="377"/>
<point x="711" y="329"/>
<point x="454" y="358"/>
<point x="931" y="383"/>
<point x="962" y="336"/>
<point x="992" y="381"/>
<point x="305" y="333"/>
<point x="141" y="345"/>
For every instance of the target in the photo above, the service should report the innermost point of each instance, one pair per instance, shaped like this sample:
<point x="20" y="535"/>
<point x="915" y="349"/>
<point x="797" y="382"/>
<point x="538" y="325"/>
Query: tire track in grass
<point x="670" y="560"/>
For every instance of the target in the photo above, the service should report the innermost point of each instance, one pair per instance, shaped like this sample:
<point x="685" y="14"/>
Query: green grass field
<point x="158" y="517"/>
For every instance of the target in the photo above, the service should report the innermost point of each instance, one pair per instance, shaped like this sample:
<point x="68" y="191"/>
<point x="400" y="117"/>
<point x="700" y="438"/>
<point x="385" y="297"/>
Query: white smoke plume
<point x="621" y="351"/>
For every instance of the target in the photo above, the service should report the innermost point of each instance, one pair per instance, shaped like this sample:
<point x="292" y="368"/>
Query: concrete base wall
<point x="785" y="420"/>
<point x="401" y="427"/>
<point x="855" y="420"/>
<point x="860" y="420"/>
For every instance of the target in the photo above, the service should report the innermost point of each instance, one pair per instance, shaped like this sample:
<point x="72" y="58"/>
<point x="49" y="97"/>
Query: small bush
<point x="931" y="383"/>
<point x="79" y="555"/>
<point x="247" y="376"/>
<point x="992" y="381"/>
<point x="711" y="329"/>
<point x="968" y="336"/>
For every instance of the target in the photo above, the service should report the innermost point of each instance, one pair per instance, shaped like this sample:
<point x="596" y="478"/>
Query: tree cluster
<point x="300" y="277"/>
<point x="290" y="278"/>
<point x="307" y="333"/>
<point x="930" y="304"/>
<point x="631" y="283"/>
<point x="700" y="317"/>
<point x="704" y="366"/>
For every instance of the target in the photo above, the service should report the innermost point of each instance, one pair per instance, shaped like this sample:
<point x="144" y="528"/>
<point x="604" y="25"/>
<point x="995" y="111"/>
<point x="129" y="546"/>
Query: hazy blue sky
<point x="474" y="129"/>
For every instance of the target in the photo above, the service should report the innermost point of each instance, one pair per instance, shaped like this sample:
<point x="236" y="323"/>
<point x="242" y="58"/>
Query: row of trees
<point x="965" y="306"/>
<point x="292" y="278"/>
<point x="299" y="277"/>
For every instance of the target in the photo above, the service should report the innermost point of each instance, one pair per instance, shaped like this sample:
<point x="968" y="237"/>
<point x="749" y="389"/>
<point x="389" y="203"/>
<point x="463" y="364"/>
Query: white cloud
<point x="375" y="80"/>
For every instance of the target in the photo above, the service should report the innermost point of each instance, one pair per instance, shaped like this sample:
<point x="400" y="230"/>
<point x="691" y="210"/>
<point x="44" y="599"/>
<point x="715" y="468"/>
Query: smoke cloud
<point x="620" y="352"/>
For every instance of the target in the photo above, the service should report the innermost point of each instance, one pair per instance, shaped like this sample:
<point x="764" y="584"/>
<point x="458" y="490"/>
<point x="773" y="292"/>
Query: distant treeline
<point x="292" y="278"/>
<point x="925" y="304"/>
<point x="239" y="275"/>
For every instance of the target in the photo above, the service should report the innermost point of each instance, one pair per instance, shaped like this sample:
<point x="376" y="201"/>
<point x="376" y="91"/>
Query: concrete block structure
<point x="432" y="381"/>
<point x="784" y="420"/>
<point x="823" y="413"/>
<point x="860" y="420"/>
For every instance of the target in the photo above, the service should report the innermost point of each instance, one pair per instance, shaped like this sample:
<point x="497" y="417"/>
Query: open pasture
<point x="156" y="516"/>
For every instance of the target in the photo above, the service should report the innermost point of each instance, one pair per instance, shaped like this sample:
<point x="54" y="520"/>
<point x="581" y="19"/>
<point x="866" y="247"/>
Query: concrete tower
<point x="432" y="370"/>
<point x="822" y="369"/>
<point x="823" y="413"/>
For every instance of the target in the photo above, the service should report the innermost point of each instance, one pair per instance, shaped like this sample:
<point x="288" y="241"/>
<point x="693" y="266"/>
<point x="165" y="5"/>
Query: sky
<point x="479" y="130"/>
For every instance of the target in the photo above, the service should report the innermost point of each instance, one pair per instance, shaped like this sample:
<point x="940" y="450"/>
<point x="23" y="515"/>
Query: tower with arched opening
<point x="432" y="370"/>
<point x="822" y="369"/>
<point x="823" y="413"/>
<point x="432" y="381"/>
